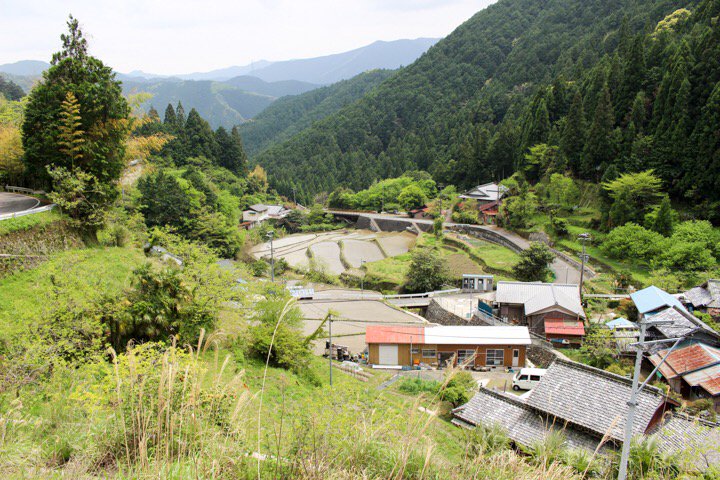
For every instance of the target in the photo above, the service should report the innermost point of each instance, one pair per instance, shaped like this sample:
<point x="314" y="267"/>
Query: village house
<point x="422" y="213"/>
<point x="475" y="346"/>
<point x="259" y="213"/>
<point x="625" y="333"/>
<point x="589" y="406"/>
<point x="705" y="298"/>
<point x="692" y="370"/>
<point x="487" y="198"/>
<point x="553" y="311"/>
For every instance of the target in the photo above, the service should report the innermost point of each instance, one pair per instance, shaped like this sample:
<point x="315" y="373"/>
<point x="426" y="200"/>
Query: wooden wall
<point x="404" y="353"/>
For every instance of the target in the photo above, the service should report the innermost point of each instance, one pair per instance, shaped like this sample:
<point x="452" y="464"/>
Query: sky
<point x="184" y="36"/>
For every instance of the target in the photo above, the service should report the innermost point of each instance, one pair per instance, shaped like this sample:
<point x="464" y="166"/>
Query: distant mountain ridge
<point x="341" y="66"/>
<point x="233" y="95"/>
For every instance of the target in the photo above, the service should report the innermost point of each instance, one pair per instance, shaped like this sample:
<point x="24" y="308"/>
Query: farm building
<point x="550" y="310"/>
<point x="259" y="213"/>
<point x="488" y="198"/>
<point x="625" y="333"/>
<point x="481" y="346"/>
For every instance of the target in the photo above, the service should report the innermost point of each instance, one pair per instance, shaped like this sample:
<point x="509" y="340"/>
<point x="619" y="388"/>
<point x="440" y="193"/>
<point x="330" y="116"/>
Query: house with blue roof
<point x="652" y="299"/>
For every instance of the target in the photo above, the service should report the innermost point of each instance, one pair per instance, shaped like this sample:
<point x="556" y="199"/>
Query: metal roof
<point x="594" y="399"/>
<point x="394" y="334"/>
<point x="707" y="378"/>
<point x="691" y="357"/>
<point x="477" y="335"/>
<point x="536" y="296"/>
<point x="487" y="191"/>
<point x="652" y="298"/>
<point x="564" y="327"/>
<point x="449" y="335"/>
<point x="620" y="323"/>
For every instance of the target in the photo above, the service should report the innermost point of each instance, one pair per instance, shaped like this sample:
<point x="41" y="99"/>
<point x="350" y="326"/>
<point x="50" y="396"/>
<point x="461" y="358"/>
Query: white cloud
<point x="181" y="36"/>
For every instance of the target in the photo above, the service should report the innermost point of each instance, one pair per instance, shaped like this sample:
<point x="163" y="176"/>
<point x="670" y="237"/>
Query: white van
<point x="527" y="378"/>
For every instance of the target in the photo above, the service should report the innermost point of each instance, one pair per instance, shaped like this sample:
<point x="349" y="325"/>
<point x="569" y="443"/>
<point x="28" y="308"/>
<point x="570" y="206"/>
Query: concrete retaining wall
<point x="487" y="235"/>
<point x="437" y="314"/>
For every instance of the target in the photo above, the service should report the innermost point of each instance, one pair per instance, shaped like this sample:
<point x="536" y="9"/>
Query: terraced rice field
<point x="337" y="251"/>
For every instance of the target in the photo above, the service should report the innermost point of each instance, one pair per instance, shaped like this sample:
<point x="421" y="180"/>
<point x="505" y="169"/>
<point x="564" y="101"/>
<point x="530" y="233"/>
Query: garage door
<point x="388" y="355"/>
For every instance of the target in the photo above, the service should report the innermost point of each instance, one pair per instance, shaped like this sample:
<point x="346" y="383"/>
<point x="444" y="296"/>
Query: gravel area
<point x="356" y="251"/>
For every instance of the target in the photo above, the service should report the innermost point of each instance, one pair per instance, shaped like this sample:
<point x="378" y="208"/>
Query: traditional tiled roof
<point x="696" y="442"/>
<point x="536" y="296"/>
<point x="683" y="323"/>
<point x="706" y="295"/>
<point x="523" y="424"/>
<point x="593" y="399"/>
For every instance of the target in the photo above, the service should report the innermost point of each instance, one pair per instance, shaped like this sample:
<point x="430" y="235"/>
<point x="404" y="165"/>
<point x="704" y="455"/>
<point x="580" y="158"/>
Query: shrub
<point x="633" y="242"/>
<point x="259" y="268"/>
<point x="414" y="385"/>
<point x="459" y="388"/>
<point x="465" y="217"/>
<point x="559" y="226"/>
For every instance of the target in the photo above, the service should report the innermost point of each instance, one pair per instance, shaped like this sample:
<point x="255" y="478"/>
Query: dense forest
<point x="10" y="90"/>
<point x="290" y="115"/>
<point x="613" y="84"/>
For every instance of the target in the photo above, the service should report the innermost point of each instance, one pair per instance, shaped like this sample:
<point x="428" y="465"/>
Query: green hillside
<point x="290" y="115"/>
<point x="505" y="80"/>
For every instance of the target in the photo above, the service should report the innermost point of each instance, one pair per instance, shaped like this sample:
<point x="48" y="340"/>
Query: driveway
<point x="13" y="203"/>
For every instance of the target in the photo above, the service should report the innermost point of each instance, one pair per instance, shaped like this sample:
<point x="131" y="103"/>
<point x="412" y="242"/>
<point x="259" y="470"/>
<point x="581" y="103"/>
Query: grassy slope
<point x="28" y="221"/>
<point x="25" y="295"/>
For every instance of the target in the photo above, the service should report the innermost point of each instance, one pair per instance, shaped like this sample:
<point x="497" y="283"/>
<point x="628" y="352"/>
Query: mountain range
<point x="608" y="86"/>
<point x="229" y="96"/>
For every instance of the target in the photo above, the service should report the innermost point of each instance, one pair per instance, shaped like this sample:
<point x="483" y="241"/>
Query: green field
<point x="28" y="221"/>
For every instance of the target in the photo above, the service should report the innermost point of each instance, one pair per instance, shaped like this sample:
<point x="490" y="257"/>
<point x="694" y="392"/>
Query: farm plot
<point x="357" y="251"/>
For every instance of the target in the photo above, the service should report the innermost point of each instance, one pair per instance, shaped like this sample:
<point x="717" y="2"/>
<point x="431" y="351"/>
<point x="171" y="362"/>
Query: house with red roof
<point x="473" y="346"/>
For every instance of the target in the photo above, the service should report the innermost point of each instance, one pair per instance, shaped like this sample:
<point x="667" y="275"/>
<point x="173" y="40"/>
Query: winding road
<point x="15" y="202"/>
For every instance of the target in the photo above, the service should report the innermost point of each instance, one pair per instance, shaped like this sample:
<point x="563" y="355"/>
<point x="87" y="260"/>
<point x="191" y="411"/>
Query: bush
<point x="459" y="388"/>
<point x="259" y="268"/>
<point x="487" y="439"/>
<point x="414" y="385"/>
<point x="633" y="242"/>
<point x="465" y="217"/>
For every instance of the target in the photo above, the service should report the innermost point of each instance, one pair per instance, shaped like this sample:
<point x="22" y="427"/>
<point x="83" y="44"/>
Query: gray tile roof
<point x="682" y="323"/>
<point x="593" y="399"/>
<point x="706" y="295"/>
<point x="523" y="424"/>
<point x="536" y="296"/>
<point x="697" y="442"/>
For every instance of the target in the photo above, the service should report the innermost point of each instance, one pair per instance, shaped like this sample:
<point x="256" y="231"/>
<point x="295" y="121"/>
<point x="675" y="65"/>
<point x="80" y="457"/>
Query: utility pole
<point x="330" y="345"/>
<point x="294" y="200"/>
<point x="362" y="280"/>
<point x="582" y="237"/>
<point x="270" y="235"/>
<point x="632" y="403"/>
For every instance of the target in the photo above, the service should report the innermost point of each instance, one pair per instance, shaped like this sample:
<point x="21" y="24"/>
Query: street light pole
<point x="270" y="235"/>
<point x="582" y="237"/>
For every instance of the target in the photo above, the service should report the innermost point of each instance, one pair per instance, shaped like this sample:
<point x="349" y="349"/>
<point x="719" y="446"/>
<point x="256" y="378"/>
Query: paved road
<point x="564" y="272"/>
<point x="13" y="202"/>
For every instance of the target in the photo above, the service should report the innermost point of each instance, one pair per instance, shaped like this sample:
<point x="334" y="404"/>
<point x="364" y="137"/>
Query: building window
<point x="495" y="357"/>
<point x="465" y="356"/>
<point x="415" y="350"/>
<point x="429" y="353"/>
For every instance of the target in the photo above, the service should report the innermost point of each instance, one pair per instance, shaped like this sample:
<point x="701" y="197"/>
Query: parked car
<point x="527" y="378"/>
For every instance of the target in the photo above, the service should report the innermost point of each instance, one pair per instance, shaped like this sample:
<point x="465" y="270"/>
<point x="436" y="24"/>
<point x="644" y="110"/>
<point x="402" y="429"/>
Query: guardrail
<point x="424" y="294"/>
<point x="8" y="216"/>
<point x="11" y="189"/>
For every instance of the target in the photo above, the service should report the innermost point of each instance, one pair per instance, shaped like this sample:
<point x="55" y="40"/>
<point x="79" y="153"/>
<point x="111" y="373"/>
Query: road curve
<point x="14" y="202"/>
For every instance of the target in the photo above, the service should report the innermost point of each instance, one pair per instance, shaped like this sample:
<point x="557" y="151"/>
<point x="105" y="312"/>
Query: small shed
<point x="476" y="283"/>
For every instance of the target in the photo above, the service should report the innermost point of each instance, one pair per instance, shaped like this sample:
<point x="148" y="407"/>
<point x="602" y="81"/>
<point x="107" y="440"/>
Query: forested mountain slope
<point x="616" y="84"/>
<point x="290" y="115"/>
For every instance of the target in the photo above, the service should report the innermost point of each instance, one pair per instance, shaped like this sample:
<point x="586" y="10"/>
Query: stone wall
<point x="437" y="314"/>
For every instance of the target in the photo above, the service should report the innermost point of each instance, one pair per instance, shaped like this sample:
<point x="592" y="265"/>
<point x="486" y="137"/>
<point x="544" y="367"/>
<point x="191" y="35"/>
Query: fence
<point x="46" y="208"/>
<point x="11" y="189"/>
